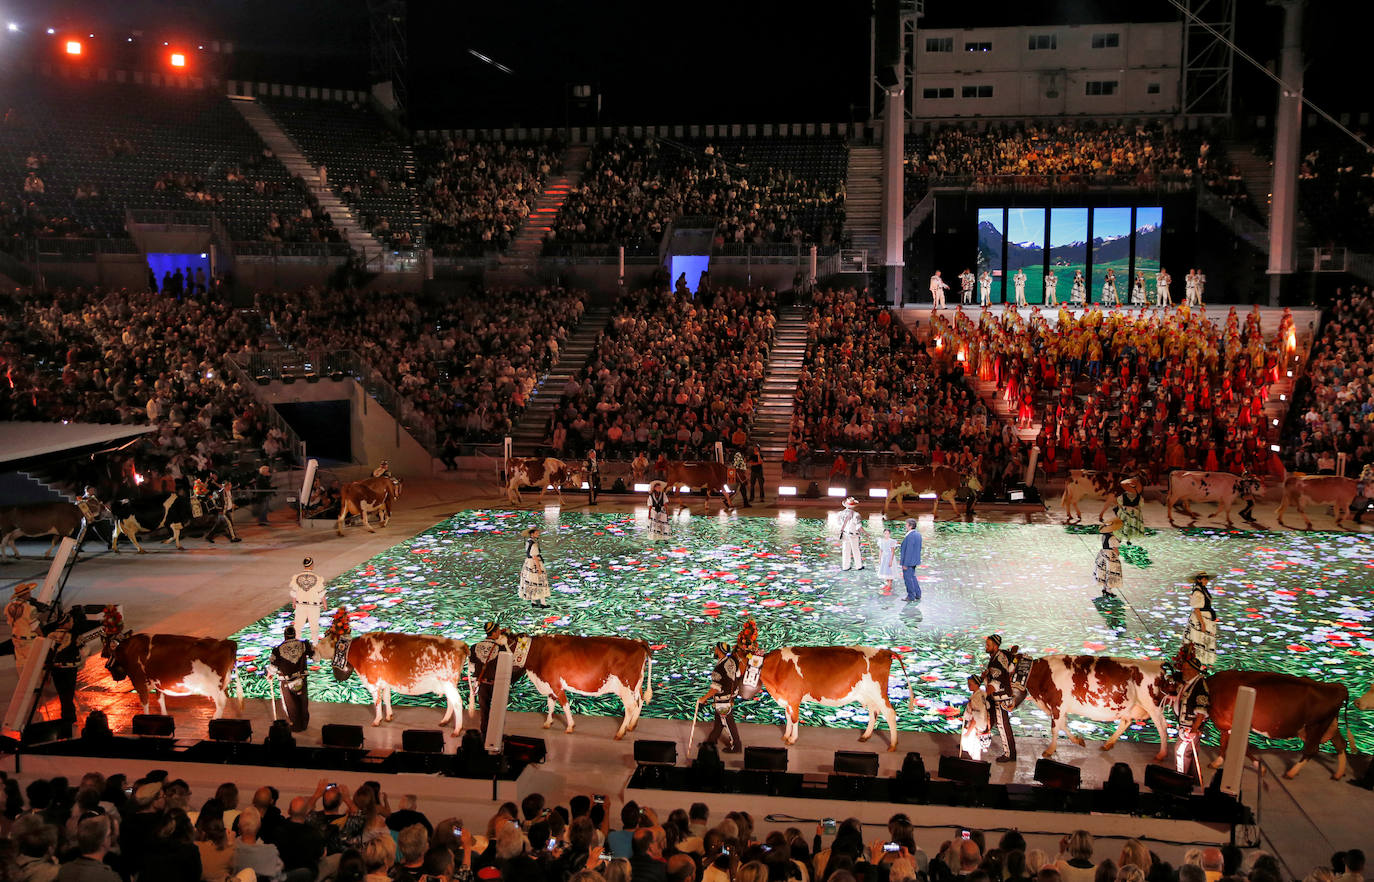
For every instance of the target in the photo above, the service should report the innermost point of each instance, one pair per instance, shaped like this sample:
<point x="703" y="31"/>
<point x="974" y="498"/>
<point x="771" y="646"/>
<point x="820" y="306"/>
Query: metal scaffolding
<point x="1209" y="31"/>
<point x="390" y="53"/>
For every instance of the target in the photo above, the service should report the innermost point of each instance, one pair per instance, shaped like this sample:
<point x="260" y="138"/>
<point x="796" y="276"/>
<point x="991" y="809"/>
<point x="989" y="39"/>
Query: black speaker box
<point x="1164" y="780"/>
<point x="160" y="725"/>
<point x="854" y="762"/>
<point x="965" y="771"/>
<point x="765" y="759"/>
<point x="518" y="749"/>
<point x="1059" y="776"/>
<point x="656" y="752"/>
<point x="422" y="741"/>
<point x="230" y="730"/>
<point x="44" y="731"/>
<point x="341" y="735"/>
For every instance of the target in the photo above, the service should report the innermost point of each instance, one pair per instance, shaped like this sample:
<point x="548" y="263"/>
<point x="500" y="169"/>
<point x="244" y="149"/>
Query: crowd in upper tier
<point x="110" y="829"/>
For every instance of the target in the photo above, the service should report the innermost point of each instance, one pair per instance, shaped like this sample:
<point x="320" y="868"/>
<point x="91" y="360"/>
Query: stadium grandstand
<point x="671" y="396"/>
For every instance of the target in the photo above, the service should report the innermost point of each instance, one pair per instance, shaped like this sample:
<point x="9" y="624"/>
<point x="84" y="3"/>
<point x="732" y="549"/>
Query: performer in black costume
<point x="996" y="681"/>
<point x="485" y="651"/>
<point x="593" y="469"/>
<point x="724" y="684"/>
<point x="289" y="661"/>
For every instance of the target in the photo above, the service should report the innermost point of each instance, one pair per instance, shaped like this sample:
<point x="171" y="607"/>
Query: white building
<point x="1075" y="70"/>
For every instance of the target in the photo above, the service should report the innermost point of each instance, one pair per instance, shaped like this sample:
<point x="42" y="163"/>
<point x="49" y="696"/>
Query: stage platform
<point x="1292" y="600"/>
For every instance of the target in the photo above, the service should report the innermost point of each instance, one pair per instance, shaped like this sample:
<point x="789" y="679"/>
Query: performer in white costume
<point x="1162" y="282"/>
<point x="966" y="286"/>
<point x="938" y="289"/>
<point x="1019" y="280"/>
<point x="1139" y="297"/>
<point x="1078" y="294"/>
<point x="1051" y="285"/>
<point x="307" y="593"/>
<point x="985" y="288"/>
<point x="851" y="526"/>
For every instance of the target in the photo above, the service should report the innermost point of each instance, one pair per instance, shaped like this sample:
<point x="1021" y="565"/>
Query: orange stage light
<point x="178" y="59"/>
<point x="73" y="47"/>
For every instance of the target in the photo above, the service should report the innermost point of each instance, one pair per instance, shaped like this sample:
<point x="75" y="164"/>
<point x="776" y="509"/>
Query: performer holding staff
<point x="534" y="582"/>
<point x="289" y="663"/>
<point x="851" y="526"/>
<point x="658" y="510"/>
<point x="1107" y="567"/>
<point x="725" y="679"/>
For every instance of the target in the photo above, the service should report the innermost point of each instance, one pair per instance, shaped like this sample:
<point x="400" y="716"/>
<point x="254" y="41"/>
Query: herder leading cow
<point x="366" y="496"/>
<point x="1301" y="491"/>
<point x="56" y="519"/>
<point x="904" y="481"/>
<point x="1223" y="488"/>
<point x="174" y="664"/>
<point x="713" y="477"/>
<point x="146" y="514"/>
<point x="833" y="676"/>
<point x="538" y="471"/>
<point x="1097" y="687"/>
<point x="1088" y="484"/>
<point x="411" y="664"/>
<point x="558" y="664"/>
<point x="1285" y="707"/>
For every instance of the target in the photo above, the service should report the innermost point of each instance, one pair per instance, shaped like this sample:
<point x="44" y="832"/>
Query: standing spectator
<point x="262" y="487"/>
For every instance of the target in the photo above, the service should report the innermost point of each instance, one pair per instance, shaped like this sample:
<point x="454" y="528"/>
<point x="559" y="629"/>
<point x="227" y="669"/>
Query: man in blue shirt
<point x="911" y="559"/>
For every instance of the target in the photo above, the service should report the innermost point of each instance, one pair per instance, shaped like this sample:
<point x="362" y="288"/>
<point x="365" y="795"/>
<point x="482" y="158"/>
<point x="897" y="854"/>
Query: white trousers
<point x="308" y="614"/>
<point x="849" y="552"/>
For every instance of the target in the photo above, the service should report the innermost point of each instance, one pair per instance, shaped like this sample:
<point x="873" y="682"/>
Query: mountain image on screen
<point x="1147" y="239"/>
<point x="1117" y="248"/>
<point x="989" y="238"/>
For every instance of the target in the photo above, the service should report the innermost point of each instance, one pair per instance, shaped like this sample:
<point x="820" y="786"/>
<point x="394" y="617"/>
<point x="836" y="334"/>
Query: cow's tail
<point x="910" y="687"/>
<point x="646" y="680"/>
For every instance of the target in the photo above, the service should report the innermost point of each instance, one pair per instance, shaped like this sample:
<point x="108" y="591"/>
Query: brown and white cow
<point x="542" y="472"/>
<point x="833" y="676"/>
<point x="558" y="664"/>
<point x="1301" y="491"/>
<point x="1285" y="707"/>
<point x="366" y="496"/>
<point x="713" y="477"/>
<point x="1097" y="687"/>
<point x="904" y="481"/>
<point x="1223" y="488"/>
<point x="1089" y="484"/>
<point x="411" y="664"/>
<point x="56" y="519"/>
<point x="174" y="664"/>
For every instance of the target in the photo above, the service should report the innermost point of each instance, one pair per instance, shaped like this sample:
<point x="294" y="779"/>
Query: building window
<point x="1106" y="41"/>
<point x="939" y="44"/>
<point x="1044" y="41"/>
<point x="1152" y="89"/>
<point x="941" y="92"/>
<point x="1101" y="87"/>
<point x="977" y="47"/>
<point x="977" y="91"/>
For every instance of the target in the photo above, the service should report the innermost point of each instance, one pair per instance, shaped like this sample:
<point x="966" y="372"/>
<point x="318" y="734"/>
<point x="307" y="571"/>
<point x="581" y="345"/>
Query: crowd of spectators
<point x="474" y="195"/>
<point x="1336" y="190"/>
<point x="154" y="829"/>
<point x="1141" y="154"/>
<point x="1121" y="388"/>
<point x="464" y="366"/>
<point x="670" y="374"/>
<point x="633" y="189"/>
<point x="135" y="358"/>
<point x="1333" y="401"/>
<point x="868" y="386"/>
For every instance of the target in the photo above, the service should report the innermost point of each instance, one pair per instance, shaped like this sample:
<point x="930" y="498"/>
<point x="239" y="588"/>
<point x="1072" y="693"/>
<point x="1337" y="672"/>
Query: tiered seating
<point x="1333" y="402"/>
<point x="474" y="196"/>
<point x="97" y="147"/>
<point x="761" y="190"/>
<point x="1336" y="189"/>
<point x="365" y="163"/>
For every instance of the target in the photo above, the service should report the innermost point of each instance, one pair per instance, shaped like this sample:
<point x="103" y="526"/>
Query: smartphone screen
<point x="965" y="833"/>
<point x="892" y="846"/>
<point x="599" y="799"/>
<point x="553" y="843"/>
<point x="828" y="825"/>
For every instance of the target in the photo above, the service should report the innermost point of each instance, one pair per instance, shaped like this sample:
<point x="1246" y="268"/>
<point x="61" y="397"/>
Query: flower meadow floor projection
<point x="1288" y="601"/>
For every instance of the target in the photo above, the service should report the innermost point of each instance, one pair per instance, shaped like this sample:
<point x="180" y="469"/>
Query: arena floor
<point x="1291" y="600"/>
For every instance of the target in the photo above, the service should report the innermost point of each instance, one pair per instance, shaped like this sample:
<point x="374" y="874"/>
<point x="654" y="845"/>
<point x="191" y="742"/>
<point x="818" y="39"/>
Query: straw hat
<point x="851" y="502"/>
<point x="658" y="485"/>
<point x="529" y="531"/>
<point x="24" y="590"/>
<point x="1111" y="526"/>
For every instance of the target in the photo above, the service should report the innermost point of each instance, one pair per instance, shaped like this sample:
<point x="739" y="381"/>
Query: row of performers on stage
<point x="1194" y="283"/>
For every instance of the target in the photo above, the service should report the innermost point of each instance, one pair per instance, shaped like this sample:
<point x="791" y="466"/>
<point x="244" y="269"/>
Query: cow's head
<point x="396" y="487"/>
<point x="976" y="734"/>
<point x="114" y="659"/>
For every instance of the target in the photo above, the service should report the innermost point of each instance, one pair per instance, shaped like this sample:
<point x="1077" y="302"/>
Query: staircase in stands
<point x="354" y="233"/>
<point x="863" y="201"/>
<point x="516" y="265"/>
<point x="773" y="413"/>
<point x="1257" y="175"/>
<point x="528" y="435"/>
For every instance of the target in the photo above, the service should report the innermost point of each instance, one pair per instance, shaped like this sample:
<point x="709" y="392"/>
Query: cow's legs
<point x="363" y="509"/>
<point x="385" y="690"/>
<point x="1303" y="502"/>
<point x="8" y="542"/>
<point x="1106" y="504"/>
<point x="374" y="691"/>
<point x="1221" y="748"/>
<point x="176" y="537"/>
<point x="1312" y="739"/>
<point x="793" y="730"/>
<point x="1283" y="507"/>
<point x="872" y="723"/>
<point x="343" y="515"/>
<point x="162" y="701"/>
<point x="630" y="700"/>
<point x="1157" y="717"/>
<point x="890" y="717"/>
<point x="1224" y="508"/>
<point x="553" y="705"/>
<point x="220" y="699"/>
<point x="57" y="537"/>
<point x="1339" y="738"/>
<point x="1116" y="736"/>
<point x="455" y="707"/>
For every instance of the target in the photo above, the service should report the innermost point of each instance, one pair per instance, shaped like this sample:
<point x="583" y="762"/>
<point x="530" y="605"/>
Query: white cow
<point x="1223" y="488"/>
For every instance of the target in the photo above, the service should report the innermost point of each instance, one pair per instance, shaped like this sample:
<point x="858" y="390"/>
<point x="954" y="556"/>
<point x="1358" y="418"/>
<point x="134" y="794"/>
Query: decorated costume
<point x="966" y="280"/>
<point x="1051" y="286"/>
<point x="725" y="682"/>
<point x="1128" y="509"/>
<point x="20" y="614"/>
<point x="1019" y="282"/>
<point x="534" y="582"/>
<point x="1201" y="634"/>
<point x="985" y="288"/>
<point x="1162" y="282"/>
<point x="999" y="681"/>
<point x="290" y="661"/>
<point x="1078" y="292"/>
<point x="307" y="593"/>
<point x="658" y="510"/>
<point x="1109" y="289"/>
<point x="937" y="290"/>
<point x="851" y="526"/>
<point x="1139" y="297"/>
<point x="485" y="651"/>
<point x="1107" y="567"/>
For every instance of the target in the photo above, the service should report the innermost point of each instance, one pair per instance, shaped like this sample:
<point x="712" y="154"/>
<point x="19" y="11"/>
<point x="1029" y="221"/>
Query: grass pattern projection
<point x="1287" y="601"/>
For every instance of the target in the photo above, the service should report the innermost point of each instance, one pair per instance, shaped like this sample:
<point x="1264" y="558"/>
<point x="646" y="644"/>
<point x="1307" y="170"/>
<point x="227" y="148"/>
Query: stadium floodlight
<point x="178" y="59"/>
<point x="877" y="492"/>
<point x="52" y="31"/>
<point x="641" y="488"/>
<point x="787" y="490"/>
<point x="837" y="491"/>
<point x="13" y="26"/>
<point x="73" y="47"/>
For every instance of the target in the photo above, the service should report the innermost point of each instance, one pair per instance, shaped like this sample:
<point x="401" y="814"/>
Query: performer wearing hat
<point x="383" y="470"/>
<point x="1019" y="283"/>
<point x="1162" y="282"/>
<point x="1107" y="567"/>
<point x="307" y="593"/>
<point x="724" y="683"/>
<point x="65" y="660"/>
<point x="484" y="651"/>
<point x="1191" y="702"/>
<point x="996" y="681"/>
<point x="289" y="662"/>
<point x="1128" y="509"/>
<point x="851" y="525"/>
<point x="19" y="612"/>
<point x="1051" y="288"/>
<point x="658" y="510"/>
<point x="534" y="582"/>
<point x="1139" y="297"/>
<point x="1201" y="634"/>
<point x="1078" y="290"/>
